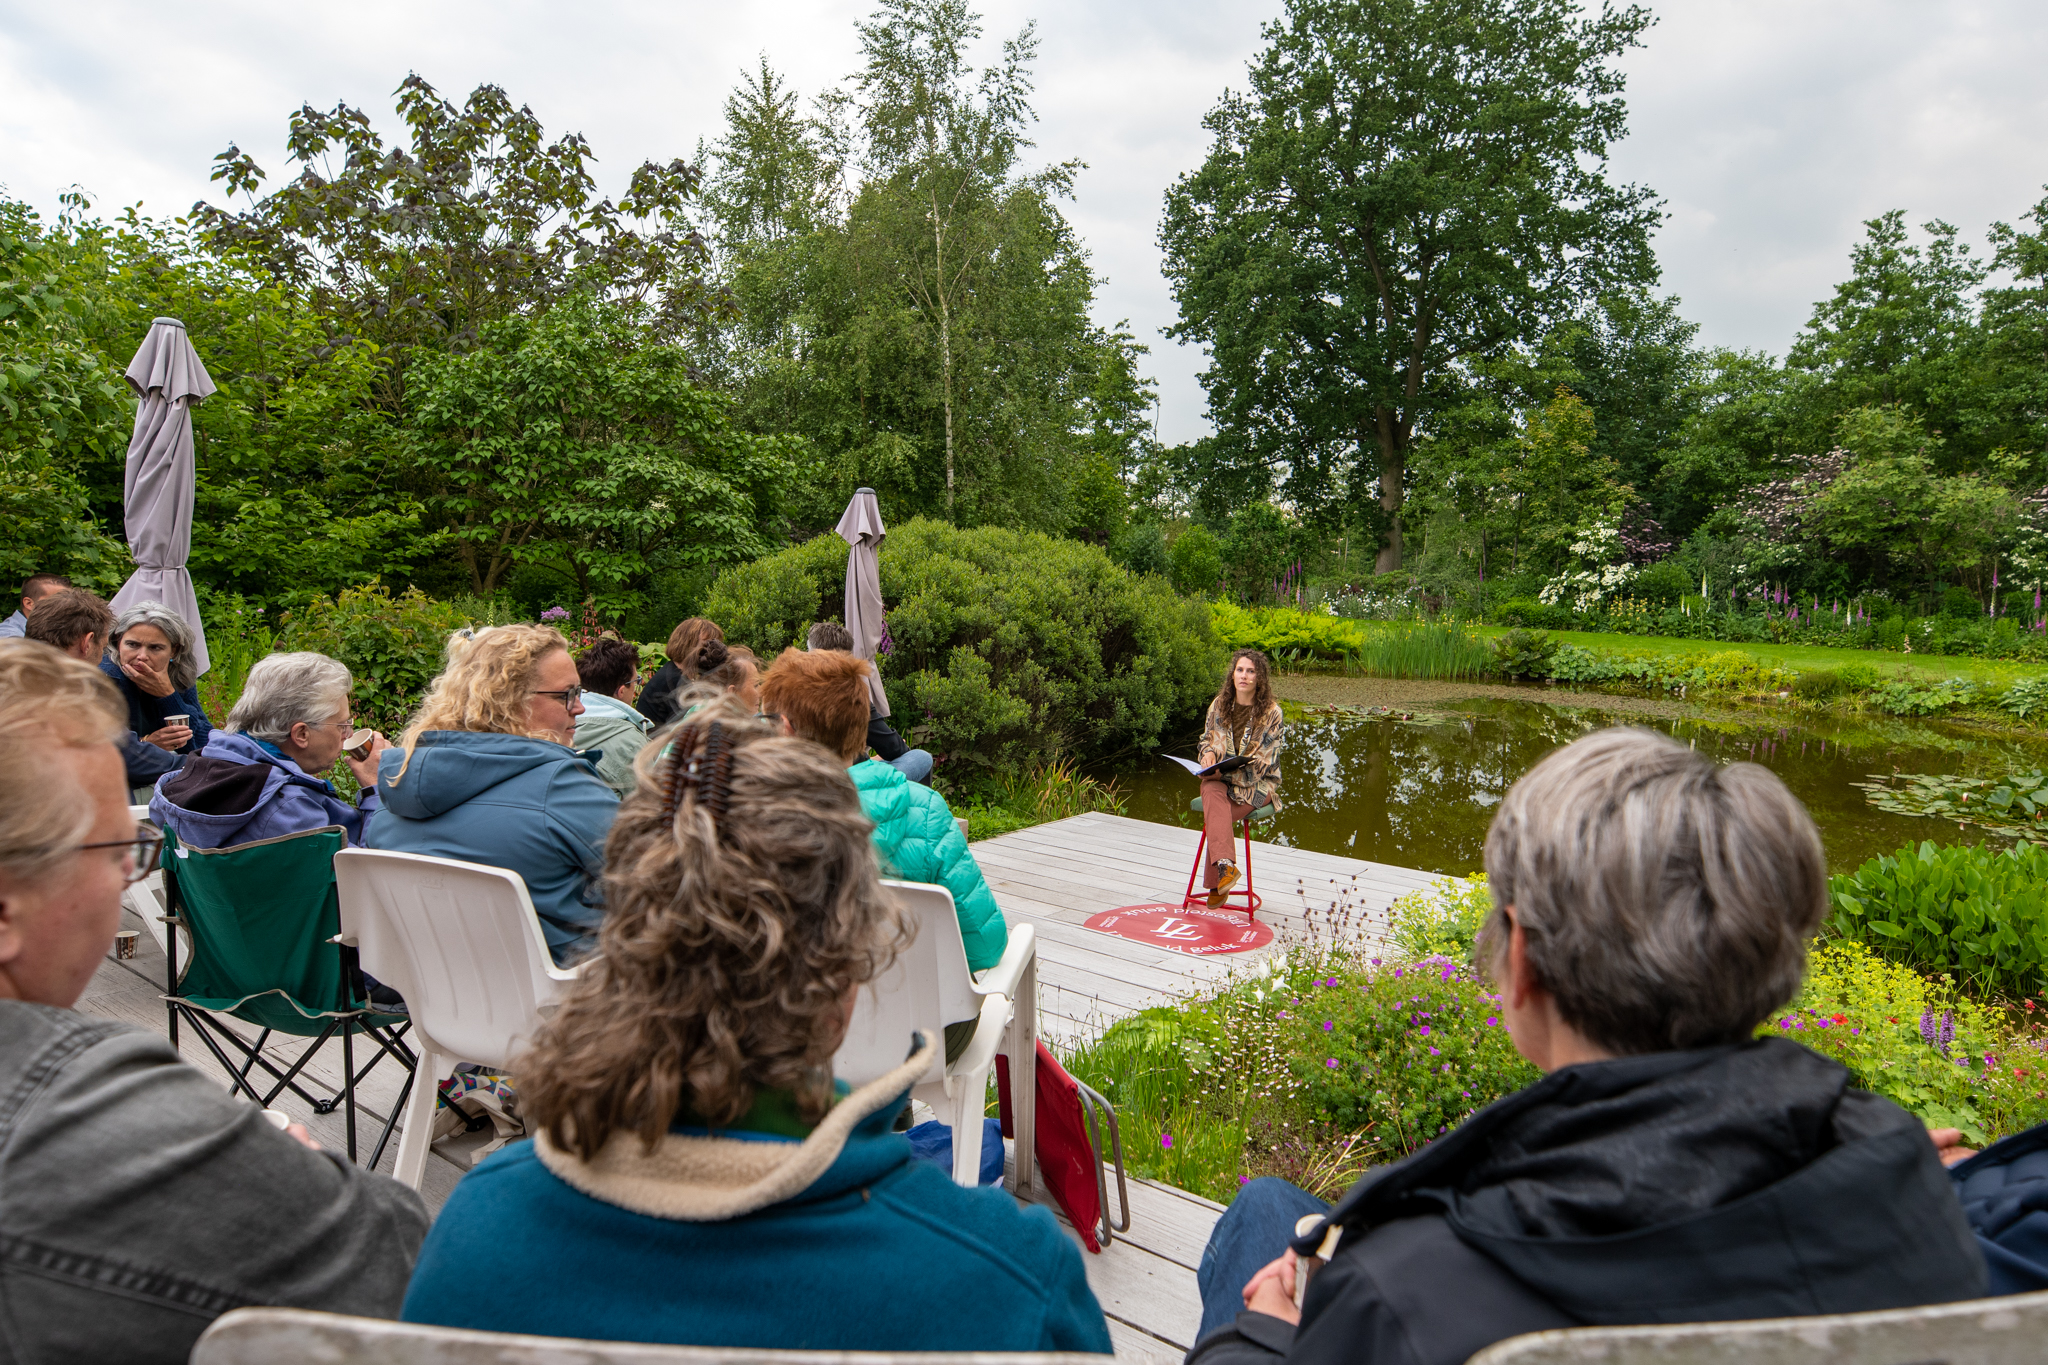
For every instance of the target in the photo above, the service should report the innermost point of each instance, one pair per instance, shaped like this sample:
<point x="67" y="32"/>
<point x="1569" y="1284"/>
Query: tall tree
<point x="1410" y="185"/>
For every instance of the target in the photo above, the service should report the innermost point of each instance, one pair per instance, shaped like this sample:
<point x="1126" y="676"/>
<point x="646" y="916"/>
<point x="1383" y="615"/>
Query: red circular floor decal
<point x="1196" y="929"/>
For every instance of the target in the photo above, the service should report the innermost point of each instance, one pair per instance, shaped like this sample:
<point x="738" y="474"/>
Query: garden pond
<point x="1417" y="788"/>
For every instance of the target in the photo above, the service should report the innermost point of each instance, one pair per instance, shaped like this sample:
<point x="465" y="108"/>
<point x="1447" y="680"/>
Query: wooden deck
<point x="1054" y="877"/>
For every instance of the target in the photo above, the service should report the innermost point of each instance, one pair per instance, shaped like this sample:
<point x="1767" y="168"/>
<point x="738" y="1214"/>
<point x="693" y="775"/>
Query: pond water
<point x="1419" y="793"/>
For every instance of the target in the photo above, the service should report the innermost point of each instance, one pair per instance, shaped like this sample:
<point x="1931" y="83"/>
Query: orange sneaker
<point x="1226" y="877"/>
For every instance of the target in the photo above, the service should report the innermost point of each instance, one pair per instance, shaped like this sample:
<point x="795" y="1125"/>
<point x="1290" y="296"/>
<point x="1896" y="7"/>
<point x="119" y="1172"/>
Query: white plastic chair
<point x="462" y="944"/>
<point x="929" y="987"/>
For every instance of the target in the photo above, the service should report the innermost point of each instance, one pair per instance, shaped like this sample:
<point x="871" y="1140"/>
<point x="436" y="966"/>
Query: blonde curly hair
<point x="742" y="907"/>
<point x="486" y="684"/>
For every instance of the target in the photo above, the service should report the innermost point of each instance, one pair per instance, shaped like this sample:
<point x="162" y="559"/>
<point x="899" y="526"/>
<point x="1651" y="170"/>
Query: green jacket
<point x="918" y="842"/>
<point x="619" y="731"/>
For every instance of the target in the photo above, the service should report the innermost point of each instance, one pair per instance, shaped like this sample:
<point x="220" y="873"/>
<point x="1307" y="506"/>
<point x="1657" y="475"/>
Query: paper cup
<point x="357" y="745"/>
<point x="278" y="1119"/>
<point x="124" y="942"/>
<point x="177" y="720"/>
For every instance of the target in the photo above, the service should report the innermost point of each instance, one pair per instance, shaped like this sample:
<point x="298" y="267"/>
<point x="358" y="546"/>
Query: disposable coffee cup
<point x="124" y="942"/>
<point x="357" y="746"/>
<point x="177" y="720"/>
<point x="278" y="1119"/>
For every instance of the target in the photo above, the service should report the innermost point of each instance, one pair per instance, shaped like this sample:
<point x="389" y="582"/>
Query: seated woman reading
<point x="696" y="1176"/>
<point x="1651" y="909"/>
<point x="264" y="773"/>
<point x="486" y="774"/>
<point x="1244" y="721"/>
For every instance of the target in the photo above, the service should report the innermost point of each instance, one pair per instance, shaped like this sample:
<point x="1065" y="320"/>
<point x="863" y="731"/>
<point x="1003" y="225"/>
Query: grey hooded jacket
<point x="139" y="1201"/>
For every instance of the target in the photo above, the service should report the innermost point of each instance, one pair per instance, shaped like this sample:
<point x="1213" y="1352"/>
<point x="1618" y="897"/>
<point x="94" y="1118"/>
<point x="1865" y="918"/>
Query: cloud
<point x="1771" y="129"/>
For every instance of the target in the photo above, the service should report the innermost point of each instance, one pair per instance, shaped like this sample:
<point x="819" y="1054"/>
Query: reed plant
<point x="1421" y="649"/>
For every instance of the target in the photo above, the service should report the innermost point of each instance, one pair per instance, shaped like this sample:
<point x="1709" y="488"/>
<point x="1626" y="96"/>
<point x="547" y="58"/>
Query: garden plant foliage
<point x="1006" y="646"/>
<point x="1977" y="913"/>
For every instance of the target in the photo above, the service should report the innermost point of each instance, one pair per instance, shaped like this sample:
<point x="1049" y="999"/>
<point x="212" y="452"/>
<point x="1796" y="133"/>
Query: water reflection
<point x="1419" y="793"/>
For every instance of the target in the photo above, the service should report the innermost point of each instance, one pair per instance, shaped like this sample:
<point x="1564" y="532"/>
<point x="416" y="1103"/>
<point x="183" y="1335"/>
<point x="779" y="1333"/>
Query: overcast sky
<point x="1772" y="129"/>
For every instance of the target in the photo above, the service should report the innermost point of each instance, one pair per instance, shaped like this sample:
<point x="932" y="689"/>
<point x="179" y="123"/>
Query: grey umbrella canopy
<point x="157" y="492"/>
<point x="860" y="526"/>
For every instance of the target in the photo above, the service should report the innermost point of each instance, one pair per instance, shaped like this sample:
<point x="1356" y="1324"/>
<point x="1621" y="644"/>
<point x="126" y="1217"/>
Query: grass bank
<point x="1800" y="657"/>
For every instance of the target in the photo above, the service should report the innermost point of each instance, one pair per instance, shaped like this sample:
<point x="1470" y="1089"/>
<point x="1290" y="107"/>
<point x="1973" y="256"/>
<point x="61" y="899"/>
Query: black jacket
<point x="657" y="700"/>
<point x="1706" y="1186"/>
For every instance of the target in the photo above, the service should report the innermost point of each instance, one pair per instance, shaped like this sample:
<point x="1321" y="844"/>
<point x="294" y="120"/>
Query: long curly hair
<point x="743" y="907"/>
<point x="486" y="684"/>
<point x="1241" y="718"/>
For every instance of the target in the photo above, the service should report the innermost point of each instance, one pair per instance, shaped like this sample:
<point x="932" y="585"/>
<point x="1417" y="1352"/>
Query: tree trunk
<point x="945" y="343"/>
<point x="1393" y="473"/>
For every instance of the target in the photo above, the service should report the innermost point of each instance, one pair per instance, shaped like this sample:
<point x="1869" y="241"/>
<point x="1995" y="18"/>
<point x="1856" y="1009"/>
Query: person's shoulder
<point x="984" y="1222"/>
<point x="30" y="1034"/>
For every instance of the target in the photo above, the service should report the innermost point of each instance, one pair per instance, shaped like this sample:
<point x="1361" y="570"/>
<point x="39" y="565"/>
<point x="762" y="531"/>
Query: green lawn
<point x="1931" y="666"/>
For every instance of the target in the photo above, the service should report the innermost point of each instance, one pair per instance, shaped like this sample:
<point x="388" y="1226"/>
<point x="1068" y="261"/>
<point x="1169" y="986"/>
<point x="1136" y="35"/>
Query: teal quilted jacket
<point x="918" y="842"/>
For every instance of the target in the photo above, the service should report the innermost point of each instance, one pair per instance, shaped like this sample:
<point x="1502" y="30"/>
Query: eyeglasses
<point x="143" y="849"/>
<point x="568" y="696"/>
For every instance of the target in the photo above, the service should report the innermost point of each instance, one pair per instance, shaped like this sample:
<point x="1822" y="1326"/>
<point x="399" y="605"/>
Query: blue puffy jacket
<point x="238" y="792"/>
<point x="918" y="842"/>
<point x="528" y="805"/>
<point x="2004" y="1190"/>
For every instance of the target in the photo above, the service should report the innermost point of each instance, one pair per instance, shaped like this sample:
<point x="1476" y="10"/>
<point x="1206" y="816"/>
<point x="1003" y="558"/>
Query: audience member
<point x="609" y="729"/>
<point x="79" y="623"/>
<point x="33" y="591"/>
<point x="1650" y="910"/>
<point x="658" y="699"/>
<point x="823" y="697"/>
<point x="142" y="1200"/>
<point x="487" y="773"/>
<point x="262" y="774"/>
<point x="696" y="1176"/>
<point x="152" y="665"/>
<point x="2004" y="1191"/>
<point x="914" y="764"/>
<point x="732" y="670"/>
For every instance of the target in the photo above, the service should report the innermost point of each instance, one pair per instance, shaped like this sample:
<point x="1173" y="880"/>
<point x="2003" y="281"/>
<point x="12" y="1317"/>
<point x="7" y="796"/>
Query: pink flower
<point x="1425" y="1032"/>
<point x="1166" y="1141"/>
<point x="1331" y="1063"/>
<point x="1491" y="1021"/>
<point x="1328" y="1025"/>
<point x="1434" y="1053"/>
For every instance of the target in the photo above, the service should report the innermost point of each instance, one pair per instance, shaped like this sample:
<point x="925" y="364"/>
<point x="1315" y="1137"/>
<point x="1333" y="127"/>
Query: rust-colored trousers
<point x="1220" y="817"/>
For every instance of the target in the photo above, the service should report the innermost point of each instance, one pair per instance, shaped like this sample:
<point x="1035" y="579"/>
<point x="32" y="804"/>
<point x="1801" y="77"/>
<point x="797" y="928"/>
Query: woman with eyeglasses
<point x="264" y="775"/>
<point x="487" y="773"/>
<point x="132" y="1177"/>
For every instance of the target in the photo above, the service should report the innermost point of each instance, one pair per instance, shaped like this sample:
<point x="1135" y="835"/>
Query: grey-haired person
<point x="264" y="774"/>
<point x="1651" y="909"/>
<point x="151" y="664"/>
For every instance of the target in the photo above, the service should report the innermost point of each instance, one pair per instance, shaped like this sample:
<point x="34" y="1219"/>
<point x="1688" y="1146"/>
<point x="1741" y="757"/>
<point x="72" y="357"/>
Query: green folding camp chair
<point x="263" y="924"/>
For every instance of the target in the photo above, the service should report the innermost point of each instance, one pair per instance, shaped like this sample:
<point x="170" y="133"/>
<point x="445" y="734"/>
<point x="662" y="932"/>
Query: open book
<point x="1221" y="766"/>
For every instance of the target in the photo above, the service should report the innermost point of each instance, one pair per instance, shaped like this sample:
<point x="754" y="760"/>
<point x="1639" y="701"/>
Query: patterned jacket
<point x="1259" y="742"/>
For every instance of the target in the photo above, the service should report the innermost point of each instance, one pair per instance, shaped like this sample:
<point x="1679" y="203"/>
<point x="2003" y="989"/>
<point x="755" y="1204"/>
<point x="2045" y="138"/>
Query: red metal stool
<point x="1242" y="893"/>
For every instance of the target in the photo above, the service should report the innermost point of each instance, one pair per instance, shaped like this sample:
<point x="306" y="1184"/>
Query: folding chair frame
<point x="1093" y="1103"/>
<point x="390" y="1040"/>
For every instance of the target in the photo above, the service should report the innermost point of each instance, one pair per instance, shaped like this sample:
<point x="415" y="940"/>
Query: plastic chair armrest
<point x="989" y="1036"/>
<point x="1018" y="954"/>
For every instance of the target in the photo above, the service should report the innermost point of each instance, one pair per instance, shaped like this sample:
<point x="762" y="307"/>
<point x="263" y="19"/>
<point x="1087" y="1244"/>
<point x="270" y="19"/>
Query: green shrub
<point x="1283" y="630"/>
<point x="1664" y="583"/>
<point x="395" y="646"/>
<point x="2026" y="698"/>
<point x="1442" y="920"/>
<point x="1531" y="614"/>
<point x="1523" y="654"/>
<point x="1974" y="912"/>
<point x="1012" y="646"/>
<point x="1140" y="547"/>
<point x="1820" y="684"/>
<point x="1195" y="562"/>
<point x="1960" y="604"/>
<point x="1571" y="664"/>
<point x="1904" y="698"/>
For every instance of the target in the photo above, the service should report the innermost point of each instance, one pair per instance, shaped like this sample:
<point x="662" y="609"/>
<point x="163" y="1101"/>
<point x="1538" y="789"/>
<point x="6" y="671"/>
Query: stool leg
<point x="1188" y="898"/>
<point x="1251" y="902"/>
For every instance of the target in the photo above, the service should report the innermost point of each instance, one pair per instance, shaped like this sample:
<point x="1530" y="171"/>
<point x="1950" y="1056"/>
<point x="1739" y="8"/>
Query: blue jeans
<point x="915" y="764"/>
<point x="1254" y="1230"/>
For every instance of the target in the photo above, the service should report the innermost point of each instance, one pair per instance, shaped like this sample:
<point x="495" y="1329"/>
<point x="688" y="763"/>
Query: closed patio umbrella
<point x="860" y="526"/>
<point x="158" y="489"/>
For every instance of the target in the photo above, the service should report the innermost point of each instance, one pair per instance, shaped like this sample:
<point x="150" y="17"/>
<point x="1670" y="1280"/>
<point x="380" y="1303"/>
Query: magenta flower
<point x="1328" y="1025"/>
<point x="1331" y="1063"/>
<point x="1434" y="1053"/>
<point x="1166" y="1141"/>
<point x="1491" y="1021"/>
<point x="1425" y="1030"/>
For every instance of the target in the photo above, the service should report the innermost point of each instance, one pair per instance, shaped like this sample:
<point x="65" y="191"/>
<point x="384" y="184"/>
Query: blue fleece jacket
<point x="289" y="801"/>
<point x="146" y="713"/>
<point x="918" y="842"/>
<point x="529" y="805"/>
<point x="877" y="1253"/>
